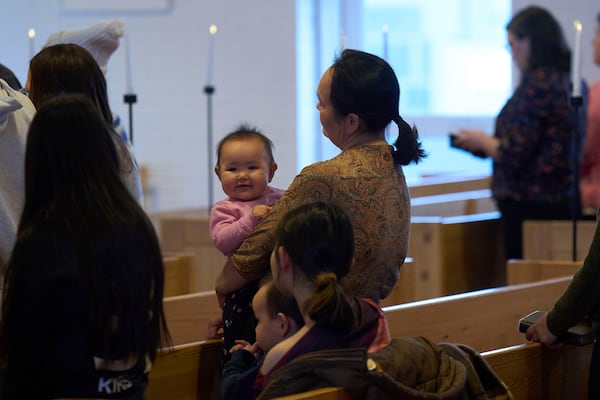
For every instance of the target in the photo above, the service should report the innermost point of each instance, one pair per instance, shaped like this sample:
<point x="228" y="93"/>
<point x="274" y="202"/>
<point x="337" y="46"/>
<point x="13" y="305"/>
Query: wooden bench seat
<point x="178" y="267"/>
<point x="429" y="186"/>
<point x="553" y="240"/>
<point x="188" y="232"/>
<point x="456" y="254"/>
<point x="525" y="271"/>
<point x="453" y="204"/>
<point x="484" y="319"/>
<point x="187" y="372"/>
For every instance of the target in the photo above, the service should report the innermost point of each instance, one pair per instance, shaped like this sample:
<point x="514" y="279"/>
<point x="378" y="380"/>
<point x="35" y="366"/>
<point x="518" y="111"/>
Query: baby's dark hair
<point x="246" y="131"/>
<point x="277" y="302"/>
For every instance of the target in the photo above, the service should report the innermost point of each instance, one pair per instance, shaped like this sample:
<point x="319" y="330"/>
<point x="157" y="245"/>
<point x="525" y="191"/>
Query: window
<point x="450" y="58"/>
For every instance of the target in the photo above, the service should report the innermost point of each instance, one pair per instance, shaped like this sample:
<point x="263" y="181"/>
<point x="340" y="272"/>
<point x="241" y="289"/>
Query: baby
<point x="245" y="167"/>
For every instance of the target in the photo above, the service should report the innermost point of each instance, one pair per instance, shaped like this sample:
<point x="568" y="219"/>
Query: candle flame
<point x="212" y="29"/>
<point x="385" y="28"/>
<point x="31" y="33"/>
<point x="577" y="25"/>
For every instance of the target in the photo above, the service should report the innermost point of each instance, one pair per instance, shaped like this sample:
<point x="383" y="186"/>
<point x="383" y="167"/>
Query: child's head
<point x="314" y="248"/>
<point x="245" y="163"/>
<point x="277" y="316"/>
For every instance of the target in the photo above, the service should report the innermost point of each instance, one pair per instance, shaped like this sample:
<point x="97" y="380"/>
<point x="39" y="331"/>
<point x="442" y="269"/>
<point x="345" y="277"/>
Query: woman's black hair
<point x="366" y="85"/>
<point x="319" y="239"/>
<point x="73" y="189"/>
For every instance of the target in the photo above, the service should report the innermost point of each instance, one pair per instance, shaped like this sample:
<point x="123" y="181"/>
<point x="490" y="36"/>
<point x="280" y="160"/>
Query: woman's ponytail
<point x="407" y="147"/>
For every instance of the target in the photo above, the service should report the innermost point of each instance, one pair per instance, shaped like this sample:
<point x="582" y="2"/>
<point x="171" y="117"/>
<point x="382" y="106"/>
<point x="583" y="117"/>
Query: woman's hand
<point x="477" y="142"/>
<point x="539" y="332"/>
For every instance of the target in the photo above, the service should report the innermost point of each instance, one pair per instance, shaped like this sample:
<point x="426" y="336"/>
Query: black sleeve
<point x="238" y="376"/>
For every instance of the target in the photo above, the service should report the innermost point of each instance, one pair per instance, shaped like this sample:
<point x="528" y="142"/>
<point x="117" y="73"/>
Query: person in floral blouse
<point x="531" y="145"/>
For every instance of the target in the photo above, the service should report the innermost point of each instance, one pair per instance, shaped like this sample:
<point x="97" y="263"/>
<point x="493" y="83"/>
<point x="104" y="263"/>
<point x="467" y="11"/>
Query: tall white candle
<point x="384" y="30"/>
<point x="342" y="40"/>
<point x="212" y="30"/>
<point x="128" y="77"/>
<point x="576" y="61"/>
<point x="31" y="35"/>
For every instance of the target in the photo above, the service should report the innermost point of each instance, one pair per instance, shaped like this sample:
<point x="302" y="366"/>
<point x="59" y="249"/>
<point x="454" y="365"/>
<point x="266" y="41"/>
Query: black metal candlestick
<point x="130" y="99"/>
<point x="209" y="90"/>
<point x="576" y="102"/>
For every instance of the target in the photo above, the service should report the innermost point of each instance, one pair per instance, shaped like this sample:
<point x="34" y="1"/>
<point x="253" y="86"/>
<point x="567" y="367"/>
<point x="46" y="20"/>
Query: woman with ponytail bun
<point x="314" y="249"/>
<point x="358" y="97"/>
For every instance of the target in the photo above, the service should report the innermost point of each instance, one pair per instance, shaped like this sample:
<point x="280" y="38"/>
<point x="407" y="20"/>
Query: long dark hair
<point x="366" y="85"/>
<point x="69" y="68"/>
<point x="319" y="239"/>
<point x="547" y="44"/>
<point x="73" y="190"/>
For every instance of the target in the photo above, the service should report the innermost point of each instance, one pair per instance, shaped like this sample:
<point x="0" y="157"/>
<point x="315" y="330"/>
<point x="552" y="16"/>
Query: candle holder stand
<point x="576" y="102"/>
<point x="130" y="99"/>
<point x="209" y="90"/>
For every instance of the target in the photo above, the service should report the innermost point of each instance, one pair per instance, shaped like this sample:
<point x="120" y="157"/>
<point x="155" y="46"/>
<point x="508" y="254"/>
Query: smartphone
<point x="528" y="320"/>
<point x="453" y="136"/>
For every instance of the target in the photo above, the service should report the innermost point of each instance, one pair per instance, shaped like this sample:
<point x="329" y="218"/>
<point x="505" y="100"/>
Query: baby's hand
<point x="243" y="345"/>
<point x="261" y="210"/>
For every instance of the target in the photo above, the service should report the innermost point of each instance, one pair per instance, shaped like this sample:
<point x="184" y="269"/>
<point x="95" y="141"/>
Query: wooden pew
<point x="188" y="315"/>
<point x="188" y="232"/>
<point x="187" y="372"/>
<point x="456" y="254"/>
<point x="452" y="204"/>
<point x="553" y="240"/>
<point x="404" y="291"/>
<point x="484" y="319"/>
<point x="532" y="371"/>
<point x="525" y="271"/>
<point x="178" y="269"/>
<point x="433" y="185"/>
<point x="330" y="393"/>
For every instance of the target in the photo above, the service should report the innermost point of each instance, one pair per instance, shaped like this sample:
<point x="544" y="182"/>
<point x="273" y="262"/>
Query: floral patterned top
<point x="534" y="128"/>
<point x="367" y="184"/>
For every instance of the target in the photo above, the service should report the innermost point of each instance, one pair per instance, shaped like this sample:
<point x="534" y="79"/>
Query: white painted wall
<point x="254" y="73"/>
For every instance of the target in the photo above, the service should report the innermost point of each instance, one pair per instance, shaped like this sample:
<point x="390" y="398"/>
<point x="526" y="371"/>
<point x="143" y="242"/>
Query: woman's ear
<point x="352" y="123"/>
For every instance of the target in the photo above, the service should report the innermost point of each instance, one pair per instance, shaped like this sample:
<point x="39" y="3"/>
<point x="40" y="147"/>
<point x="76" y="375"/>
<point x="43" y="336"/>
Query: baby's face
<point x="244" y="169"/>
<point x="268" y="330"/>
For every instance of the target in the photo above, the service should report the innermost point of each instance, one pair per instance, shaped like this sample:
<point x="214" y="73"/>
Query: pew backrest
<point x="188" y="315"/>
<point x="452" y="204"/>
<point x="456" y="254"/>
<point x="179" y="269"/>
<point x="553" y="240"/>
<point x="187" y="372"/>
<point x="525" y="271"/>
<point x="532" y="371"/>
<point x="433" y="185"/>
<point x="484" y="319"/>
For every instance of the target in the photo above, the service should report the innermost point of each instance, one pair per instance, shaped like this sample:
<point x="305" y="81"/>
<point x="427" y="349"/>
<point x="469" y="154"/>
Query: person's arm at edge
<point x="228" y="281"/>
<point x="581" y="294"/>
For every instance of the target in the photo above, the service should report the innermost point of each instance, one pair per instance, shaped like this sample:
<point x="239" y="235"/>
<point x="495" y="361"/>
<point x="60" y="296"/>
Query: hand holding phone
<point x="455" y="135"/>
